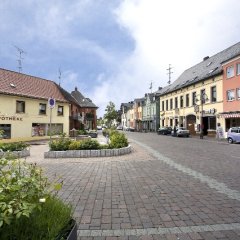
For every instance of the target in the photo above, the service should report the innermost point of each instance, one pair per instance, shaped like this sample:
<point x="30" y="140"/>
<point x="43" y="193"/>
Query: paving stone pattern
<point x="144" y="195"/>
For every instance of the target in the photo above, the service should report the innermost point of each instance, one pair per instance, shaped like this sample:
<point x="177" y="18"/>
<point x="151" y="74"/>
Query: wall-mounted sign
<point x="210" y="111"/>
<point x="13" y="118"/>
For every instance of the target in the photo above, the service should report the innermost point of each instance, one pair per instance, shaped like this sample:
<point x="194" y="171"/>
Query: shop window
<point x="42" y="108"/>
<point x="230" y="95"/>
<point x="213" y="94"/>
<point x="60" y="111"/>
<point x="230" y="72"/>
<point x="6" y="131"/>
<point x="20" y="107"/>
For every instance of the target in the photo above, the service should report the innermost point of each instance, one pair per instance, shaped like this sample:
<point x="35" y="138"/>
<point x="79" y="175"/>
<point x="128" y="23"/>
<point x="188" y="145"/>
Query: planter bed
<point x="19" y="154"/>
<point x="88" y="153"/>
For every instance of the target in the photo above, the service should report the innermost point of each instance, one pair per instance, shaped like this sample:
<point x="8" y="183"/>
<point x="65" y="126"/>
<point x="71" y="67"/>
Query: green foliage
<point x="74" y="145"/>
<point x="19" y="146"/>
<point x="118" y="140"/>
<point x="111" y="114"/>
<point x="21" y="187"/>
<point x="61" y="144"/>
<point x="41" y="224"/>
<point x="82" y="132"/>
<point x="89" y="144"/>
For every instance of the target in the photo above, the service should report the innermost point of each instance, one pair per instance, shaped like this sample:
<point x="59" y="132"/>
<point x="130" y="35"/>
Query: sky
<point x="112" y="50"/>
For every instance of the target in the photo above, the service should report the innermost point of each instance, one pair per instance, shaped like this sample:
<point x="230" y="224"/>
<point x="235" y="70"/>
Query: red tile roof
<point x="18" y="84"/>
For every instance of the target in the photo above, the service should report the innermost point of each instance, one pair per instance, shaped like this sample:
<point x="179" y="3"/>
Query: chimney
<point x="159" y="88"/>
<point x="76" y="89"/>
<point x="205" y="58"/>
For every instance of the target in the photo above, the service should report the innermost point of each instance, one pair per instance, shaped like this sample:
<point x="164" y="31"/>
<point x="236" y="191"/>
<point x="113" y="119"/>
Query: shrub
<point x="74" y="145"/>
<point x="61" y="144"/>
<point x="118" y="140"/>
<point x="82" y="132"/>
<point x="22" y="215"/>
<point x="89" y="144"/>
<point x="19" y="146"/>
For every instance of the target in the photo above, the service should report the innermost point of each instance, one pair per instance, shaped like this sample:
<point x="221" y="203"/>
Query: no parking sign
<point x="51" y="102"/>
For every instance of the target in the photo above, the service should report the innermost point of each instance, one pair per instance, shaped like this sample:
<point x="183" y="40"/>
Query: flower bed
<point x="88" y="153"/>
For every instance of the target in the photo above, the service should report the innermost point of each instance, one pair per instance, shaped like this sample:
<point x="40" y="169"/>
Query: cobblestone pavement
<point x="160" y="191"/>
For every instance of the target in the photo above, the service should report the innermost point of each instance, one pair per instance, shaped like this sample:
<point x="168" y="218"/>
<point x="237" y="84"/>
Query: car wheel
<point x="230" y="140"/>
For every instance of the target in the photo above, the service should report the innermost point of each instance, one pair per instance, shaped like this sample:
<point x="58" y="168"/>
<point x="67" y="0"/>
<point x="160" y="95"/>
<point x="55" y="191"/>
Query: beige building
<point x="195" y="99"/>
<point x="24" y="106"/>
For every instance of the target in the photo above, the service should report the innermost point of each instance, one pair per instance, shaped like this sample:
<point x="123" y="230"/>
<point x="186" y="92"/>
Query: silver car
<point x="181" y="132"/>
<point x="233" y="135"/>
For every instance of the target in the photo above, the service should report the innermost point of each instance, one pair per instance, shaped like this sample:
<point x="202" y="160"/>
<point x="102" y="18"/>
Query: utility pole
<point x="169" y="73"/>
<point x="20" y="58"/>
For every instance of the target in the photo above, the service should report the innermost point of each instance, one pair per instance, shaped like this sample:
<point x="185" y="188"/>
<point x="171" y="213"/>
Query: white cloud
<point x="176" y="32"/>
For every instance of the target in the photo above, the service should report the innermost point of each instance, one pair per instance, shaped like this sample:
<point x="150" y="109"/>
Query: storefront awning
<point x="230" y="115"/>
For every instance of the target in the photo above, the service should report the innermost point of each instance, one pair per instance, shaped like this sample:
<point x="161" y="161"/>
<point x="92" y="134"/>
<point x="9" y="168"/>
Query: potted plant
<point x="29" y="206"/>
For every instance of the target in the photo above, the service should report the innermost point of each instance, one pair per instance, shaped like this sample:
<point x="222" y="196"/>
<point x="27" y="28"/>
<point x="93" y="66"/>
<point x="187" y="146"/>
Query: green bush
<point x="82" y="132"/>
<point x="118" y="140"/>
<point x="89" y="144"/>
<point x="61" y="144"/>
<point x="74" y="145"/>
<point x="28" y="209"/>
<point x="19" y="146"/>
<point x="41" y="224"/>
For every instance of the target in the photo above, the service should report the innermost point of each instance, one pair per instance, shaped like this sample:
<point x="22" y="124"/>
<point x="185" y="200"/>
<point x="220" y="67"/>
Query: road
<point x="167" y="188"/>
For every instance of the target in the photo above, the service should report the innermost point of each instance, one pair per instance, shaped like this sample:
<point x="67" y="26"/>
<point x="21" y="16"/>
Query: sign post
<point x="51" y="104"/>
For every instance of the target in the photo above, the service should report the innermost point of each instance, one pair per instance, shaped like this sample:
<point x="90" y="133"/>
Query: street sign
<point x="51" y="102"/>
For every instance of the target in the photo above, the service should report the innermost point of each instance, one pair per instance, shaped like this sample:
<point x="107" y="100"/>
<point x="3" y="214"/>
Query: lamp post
<point x="203" y="98"/>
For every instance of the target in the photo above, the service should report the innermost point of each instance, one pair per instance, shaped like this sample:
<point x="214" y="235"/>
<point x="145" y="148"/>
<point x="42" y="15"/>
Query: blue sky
<point x="112" y="50"/>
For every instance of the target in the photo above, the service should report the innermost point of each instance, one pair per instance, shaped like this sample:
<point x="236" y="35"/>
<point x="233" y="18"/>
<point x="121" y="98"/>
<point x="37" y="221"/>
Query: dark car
<point x="164" y="131"/>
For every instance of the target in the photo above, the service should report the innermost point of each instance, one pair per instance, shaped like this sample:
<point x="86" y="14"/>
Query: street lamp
<point x="203" y="98"/>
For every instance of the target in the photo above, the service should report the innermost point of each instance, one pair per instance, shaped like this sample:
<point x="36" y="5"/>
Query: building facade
<point x="24" y="106"/>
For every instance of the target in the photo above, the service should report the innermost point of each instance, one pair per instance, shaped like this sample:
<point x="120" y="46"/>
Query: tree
<point x="111" y="114"/>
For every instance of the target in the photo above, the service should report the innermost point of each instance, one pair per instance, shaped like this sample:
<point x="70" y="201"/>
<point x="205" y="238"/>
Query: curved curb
<point x="18" y="154"/>
<point x="88" y="153"/>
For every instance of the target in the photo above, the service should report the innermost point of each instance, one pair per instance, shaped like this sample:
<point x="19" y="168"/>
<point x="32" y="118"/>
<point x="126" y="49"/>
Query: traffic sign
<point x="51" y="102"/>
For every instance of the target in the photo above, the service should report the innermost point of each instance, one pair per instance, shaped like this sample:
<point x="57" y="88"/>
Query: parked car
<point x="119" y="127"/>
<point x="233" y="135"/>
<point x="181" y="132"/>
<point x="99" y="127"/>
<point x="164" y="131"/>
<point x="92" y="134"/>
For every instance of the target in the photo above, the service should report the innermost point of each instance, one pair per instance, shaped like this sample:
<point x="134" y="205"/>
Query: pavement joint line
<point x="211" y="182"/>
<point x="158" y="231"/>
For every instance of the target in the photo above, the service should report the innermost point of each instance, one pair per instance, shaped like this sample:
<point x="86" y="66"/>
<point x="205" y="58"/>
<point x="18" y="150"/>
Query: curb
<point x="88" y="153"/>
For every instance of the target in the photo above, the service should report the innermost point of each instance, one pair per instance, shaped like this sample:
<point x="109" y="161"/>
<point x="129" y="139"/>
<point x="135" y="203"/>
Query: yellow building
<point x="195" y="99"/>
<point x="24" y="106"/>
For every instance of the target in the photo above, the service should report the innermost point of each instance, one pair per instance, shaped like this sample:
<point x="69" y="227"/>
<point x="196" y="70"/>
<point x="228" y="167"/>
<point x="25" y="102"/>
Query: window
<point x="230" y="72"/>
<point x="213" y="94"/>
<point x="20" y="107"/>
<point x="171" y="103"/>
<point x="166" y="105"/>
<point x="230" y="95"/>
<point x="238" y="68"/>
<point x="60" y="111"/>
<point x="238" y="93"/>
<point x="42" y="108"/>
<point x="203" y="96"/>
<point x="176" y="102"/>
<point x="181" y="101"/>
<point x="187" y="100"/>
<point x="162" y="105"/>
<point x="194" y="94"/>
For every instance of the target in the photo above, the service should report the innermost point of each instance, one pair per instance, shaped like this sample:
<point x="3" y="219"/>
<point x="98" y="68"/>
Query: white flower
<point x="42" y="200"/>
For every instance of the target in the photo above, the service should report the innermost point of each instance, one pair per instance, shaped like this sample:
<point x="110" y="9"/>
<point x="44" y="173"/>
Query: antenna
<point x="59" y="76"/>
<point x="151" y="85"/>
<point x="20" y="58"/>
<point x="169" y="74"/>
